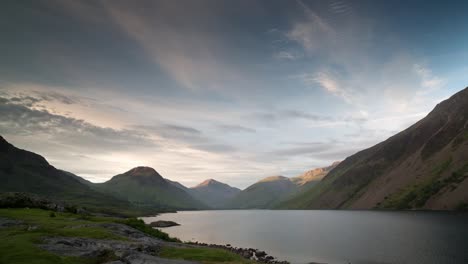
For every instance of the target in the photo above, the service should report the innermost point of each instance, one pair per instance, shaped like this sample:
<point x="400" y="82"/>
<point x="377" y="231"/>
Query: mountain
<point x="422" y="167"/>
<point x="178" y="185"/>
<point x="312" y="177"/>
<point x="263" y="194"/>
<point x="24" y="171"/>
<point x="144" y="186"/>
<point x="213" y="193"/>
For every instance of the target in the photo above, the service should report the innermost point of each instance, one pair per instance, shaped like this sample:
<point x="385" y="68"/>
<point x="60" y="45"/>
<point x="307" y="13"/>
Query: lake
<point x="329" y="236"/>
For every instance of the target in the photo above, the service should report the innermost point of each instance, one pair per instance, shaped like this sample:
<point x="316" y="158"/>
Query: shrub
<point x="140" y="225"/>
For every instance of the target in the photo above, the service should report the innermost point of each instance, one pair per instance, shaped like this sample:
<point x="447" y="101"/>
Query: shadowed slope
<point x="213" y="193"/>
<point x="264" y="194"/>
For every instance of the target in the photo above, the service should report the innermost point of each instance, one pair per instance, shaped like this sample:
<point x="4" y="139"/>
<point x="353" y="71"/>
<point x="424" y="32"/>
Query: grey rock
<point x="5" y="222"/>
<point x="138" y="258"/>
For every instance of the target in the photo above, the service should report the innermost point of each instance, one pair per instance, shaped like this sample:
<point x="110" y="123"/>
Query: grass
<point x="18" y="244"/>
<point x="62" y="224"/>
<point x="205" y="255"/>
<point x="18" y="247"/>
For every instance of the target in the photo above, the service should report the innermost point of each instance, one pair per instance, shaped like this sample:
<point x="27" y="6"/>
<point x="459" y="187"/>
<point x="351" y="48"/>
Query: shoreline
<point x="247" y="253"/>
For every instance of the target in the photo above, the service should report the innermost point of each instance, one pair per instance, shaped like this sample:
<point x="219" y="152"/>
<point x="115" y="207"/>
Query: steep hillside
<point x="264" y="194"/>
<point x="422" y="167"/>
<point x="213" y="193"/>
<point x="24" y="171"/>
<point x="143" y="186"/>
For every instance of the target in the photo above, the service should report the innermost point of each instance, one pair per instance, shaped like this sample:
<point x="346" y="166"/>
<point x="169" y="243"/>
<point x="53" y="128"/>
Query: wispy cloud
<point x="328" y="82"/>
<point x="287" y="55"/>
<point x="339" y="7"/>
<point x="189" y="55"/>
<point x="235" y="128"/>
<point x="428" y="79"/>
<point x="313" y="32"/>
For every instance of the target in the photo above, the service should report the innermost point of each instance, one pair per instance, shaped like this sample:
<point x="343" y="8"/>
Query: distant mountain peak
<point x="142" y="171"/>
<point x="314" y="175"/>
<point x="208" y="182"/>
<point x="214" y="193"/>
<point x="274" y="178"/>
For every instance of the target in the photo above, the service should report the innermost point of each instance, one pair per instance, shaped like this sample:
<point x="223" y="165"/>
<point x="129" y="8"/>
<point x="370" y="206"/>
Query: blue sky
<point x="231" y="90"/>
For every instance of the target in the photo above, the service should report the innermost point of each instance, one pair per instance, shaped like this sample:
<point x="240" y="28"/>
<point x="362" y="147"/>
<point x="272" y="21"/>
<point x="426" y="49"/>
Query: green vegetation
<point x="205" y="255"/>
<point x="264" y="194"/>
<point x="438" y="170"/>
<point x="416" y="196"/>
<point x="19" y="242"/>
<point x="140" y="225"/>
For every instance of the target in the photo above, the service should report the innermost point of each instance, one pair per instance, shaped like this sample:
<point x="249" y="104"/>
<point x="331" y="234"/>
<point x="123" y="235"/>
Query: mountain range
<point x="269" y="192"/>
<point x="422" y="167"/>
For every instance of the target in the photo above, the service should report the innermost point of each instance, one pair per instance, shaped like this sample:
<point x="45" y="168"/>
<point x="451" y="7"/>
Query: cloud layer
<point x="217" y="89"/>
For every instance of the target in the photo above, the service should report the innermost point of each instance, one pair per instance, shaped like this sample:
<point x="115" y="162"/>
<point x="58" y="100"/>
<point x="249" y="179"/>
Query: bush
<point x="140" y="225"/>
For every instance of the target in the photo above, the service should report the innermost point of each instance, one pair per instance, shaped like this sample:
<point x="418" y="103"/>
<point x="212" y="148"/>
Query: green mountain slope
<point x="24" y="171"/>
<point x="143" y="186"/>
<point x="263" y="194"/>
<point x="213" y="193"/>
<point x="422" y="167"/>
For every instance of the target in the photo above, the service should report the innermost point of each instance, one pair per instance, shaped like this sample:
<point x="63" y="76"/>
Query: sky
<point x="231" y="90"/>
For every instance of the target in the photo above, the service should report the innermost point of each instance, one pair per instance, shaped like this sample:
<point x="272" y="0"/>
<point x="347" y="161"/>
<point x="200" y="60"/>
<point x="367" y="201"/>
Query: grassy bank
<point x="20" y="240"/>
<point x="205" y="255"/>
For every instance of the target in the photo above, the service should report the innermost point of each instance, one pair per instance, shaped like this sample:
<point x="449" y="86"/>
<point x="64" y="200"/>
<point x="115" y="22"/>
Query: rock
<point x="138" y="258"/>
<point x="32" y="227"/>
<point x="89" y="247"/>
<point x="5" y="222"/>
<point x="162" y="223"/>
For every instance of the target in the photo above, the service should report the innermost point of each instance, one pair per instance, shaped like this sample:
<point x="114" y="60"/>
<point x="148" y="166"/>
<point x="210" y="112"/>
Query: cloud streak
<point x="190" y="57"/>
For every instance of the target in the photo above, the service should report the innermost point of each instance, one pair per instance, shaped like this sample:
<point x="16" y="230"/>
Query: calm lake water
<point x="357" y="237"/>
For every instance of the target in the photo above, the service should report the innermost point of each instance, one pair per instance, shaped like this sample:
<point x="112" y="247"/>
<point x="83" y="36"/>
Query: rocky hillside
<point x="422" y="167"/>
<point x="144" y="186"/>
<point x="213" y="193"/>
